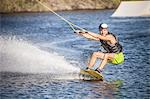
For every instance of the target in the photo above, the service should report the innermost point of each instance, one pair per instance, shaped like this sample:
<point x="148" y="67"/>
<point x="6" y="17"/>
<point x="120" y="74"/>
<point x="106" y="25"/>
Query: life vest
<point x="117" y="48"/>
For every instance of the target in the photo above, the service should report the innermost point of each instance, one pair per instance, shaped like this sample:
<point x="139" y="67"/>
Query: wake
<point x="21" y="56"/>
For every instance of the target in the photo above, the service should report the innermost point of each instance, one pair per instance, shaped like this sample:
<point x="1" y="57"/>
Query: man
<point x="109" y="42"/>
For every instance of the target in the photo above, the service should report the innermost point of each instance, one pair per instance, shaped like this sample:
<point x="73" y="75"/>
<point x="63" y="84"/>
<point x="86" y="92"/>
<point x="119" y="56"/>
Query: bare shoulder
<point x="110" y="36"/>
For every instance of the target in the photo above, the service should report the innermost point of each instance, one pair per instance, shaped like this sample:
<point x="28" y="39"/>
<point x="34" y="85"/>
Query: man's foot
<point x="88" y="68"/>
<point x="98" y="70"/>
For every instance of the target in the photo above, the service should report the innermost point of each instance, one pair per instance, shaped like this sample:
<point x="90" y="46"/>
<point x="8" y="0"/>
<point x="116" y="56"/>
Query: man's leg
<point x="107" y="56"/>
<point x="94" y="57"/>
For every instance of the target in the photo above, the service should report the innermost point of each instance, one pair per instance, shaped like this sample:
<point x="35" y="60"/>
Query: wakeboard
<point x="90" y="75"/>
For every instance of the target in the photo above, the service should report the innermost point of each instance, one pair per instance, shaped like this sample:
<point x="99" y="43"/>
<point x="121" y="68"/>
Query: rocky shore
<point x="11" y="6"/>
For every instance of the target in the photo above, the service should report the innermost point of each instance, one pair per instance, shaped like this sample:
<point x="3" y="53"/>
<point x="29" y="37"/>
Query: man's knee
<point x="94" y="54"/>
<point x="98" y="54"/>
<point x="106" y="56"/>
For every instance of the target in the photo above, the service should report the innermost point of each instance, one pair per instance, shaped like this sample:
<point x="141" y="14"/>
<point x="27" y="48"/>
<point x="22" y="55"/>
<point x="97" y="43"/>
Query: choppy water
<point x="39" y="55"/>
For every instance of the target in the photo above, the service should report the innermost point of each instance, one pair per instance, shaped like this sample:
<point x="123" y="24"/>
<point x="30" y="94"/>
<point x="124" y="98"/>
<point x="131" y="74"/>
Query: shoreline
<point x="55" y="11"/>
<point x="24" y="6"/>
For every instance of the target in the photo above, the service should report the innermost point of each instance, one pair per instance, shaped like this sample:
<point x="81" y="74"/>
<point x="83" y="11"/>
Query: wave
<point x="17" y="55"/>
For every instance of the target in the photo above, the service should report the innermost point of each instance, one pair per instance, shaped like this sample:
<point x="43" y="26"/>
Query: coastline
<point x="23" y="6"/>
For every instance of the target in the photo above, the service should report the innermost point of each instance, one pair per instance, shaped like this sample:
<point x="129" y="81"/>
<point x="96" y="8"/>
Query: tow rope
<point x="69" y="23"/>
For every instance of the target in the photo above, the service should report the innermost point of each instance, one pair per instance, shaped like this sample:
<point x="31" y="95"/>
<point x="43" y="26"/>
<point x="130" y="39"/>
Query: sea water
<point x="39" y="55"/>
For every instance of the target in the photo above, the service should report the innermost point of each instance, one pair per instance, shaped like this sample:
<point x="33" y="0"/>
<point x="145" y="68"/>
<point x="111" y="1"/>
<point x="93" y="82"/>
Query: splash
<point x="21" y="56"/>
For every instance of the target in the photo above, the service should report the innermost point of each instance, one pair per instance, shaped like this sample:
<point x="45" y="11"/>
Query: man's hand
<point x="87" y="34"/>
<point x="80" y="32"/>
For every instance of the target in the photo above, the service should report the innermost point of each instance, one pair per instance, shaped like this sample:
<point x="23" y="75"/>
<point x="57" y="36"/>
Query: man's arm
<point x="106" y="38"/>
<point x="94" y="36"/>
<point x="87" y="35"/>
